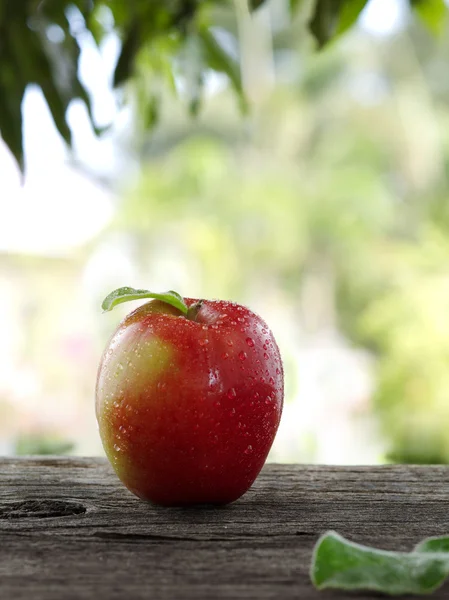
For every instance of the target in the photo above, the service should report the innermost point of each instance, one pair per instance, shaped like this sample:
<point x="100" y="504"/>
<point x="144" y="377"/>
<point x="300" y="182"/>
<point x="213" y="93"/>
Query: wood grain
<point x="69" y="529"/>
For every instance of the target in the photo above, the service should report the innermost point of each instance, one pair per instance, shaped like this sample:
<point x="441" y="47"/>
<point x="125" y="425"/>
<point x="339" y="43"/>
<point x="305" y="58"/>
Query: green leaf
<point x="432" y="13"/>
<point x="340" y="564"/>
<point x="323" y="23"/>
<point x="126" y="294"/>
<point x="433" y="544"/>
<point x="219" y="60"/>
<point x="130" y="48"/>
<point x="151" y="112"/>
<point x="101" y="20"/>
<point x="35" y="66"/>
<point x="255" y="4"/>
<point x="349" y="14"/>
<point x="331" y="18"/>
<point x="11" y="121"/>
<point x="294" y="6"/>
<point x="12" y="90"/>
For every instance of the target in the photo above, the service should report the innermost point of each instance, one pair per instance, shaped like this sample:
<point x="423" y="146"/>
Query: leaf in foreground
<point x="340" y="564"/>
<point x="126" y="294"/>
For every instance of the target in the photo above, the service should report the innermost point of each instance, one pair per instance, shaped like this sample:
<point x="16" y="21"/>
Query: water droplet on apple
<point x="218" y="403"/>
<point x="268" y="400"/>
<point x="264" y="331"/>
<point x="256" y="395"/>
<point x="117" y="448"/>
<point x="271" y="380"/>
<point x="249" y="449"/>
<point x="229" y="342"/>
<point x="232" y="413"/>
<point x="242" y="355"/>
<point x="278" y="372"/>
<point x="250" y="342"/>
<point x="265" y="355"/>
<point x="231" y="393"/>
<point x="203" y="342"/>
<point x="225" y="355"/>
<point x="204" y="327"/>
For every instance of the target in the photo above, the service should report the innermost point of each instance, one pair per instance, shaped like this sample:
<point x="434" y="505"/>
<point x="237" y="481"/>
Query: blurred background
<point x="228" y="156"/>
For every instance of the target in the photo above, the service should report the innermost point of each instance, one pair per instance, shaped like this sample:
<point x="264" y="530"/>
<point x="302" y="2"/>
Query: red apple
<point x="189" y="397"/>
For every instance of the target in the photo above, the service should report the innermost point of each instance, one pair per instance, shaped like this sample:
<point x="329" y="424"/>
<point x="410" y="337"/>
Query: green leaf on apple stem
<point x="125" y="294"/>
<point x="338" y="563"/>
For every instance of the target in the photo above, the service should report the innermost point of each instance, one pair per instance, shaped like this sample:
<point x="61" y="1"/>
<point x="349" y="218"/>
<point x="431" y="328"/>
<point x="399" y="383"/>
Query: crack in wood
<point x="41" y="509"/>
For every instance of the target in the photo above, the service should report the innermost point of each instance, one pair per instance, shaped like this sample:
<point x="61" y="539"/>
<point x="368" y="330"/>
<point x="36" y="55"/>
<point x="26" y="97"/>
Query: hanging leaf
<point x="11" y="121"/>
<point x="255" y="4"/>
<point x="221" y="61"/>
<point x="294" y="6"/>
<point x="350" y="12"/>
<point x="35" y="66"/>
<point x="433" y="13"/>
<point x="130" y="48"/>
<point x="331" y="18"/>
<point x="324" y="21"/>
<point x="52" y="61"/>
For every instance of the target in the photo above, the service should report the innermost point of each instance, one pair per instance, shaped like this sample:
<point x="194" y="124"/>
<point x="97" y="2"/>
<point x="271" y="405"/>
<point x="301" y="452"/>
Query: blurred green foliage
<point x="350" y="189"/>
<point x="164" y="44"/>
<point x="27" y="445"/>
<point x="338" y="175"/>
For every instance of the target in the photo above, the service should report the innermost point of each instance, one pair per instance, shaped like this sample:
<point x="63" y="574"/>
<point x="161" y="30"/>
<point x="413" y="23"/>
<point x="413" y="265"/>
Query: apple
<point x="189" y="396"/>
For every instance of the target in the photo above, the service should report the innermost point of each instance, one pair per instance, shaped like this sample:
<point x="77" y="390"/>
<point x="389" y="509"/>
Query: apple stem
<point x="193" y="311"/>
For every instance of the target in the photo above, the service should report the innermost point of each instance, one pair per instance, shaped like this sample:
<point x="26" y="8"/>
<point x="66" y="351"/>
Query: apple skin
<point x="188" y="409"/>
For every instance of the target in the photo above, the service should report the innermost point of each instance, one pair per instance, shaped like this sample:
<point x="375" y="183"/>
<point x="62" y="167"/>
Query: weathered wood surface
<point x="69" y="529"/>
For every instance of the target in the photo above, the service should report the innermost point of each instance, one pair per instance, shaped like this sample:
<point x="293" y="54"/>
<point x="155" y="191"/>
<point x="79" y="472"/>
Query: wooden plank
<point x="69" y="529"/>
